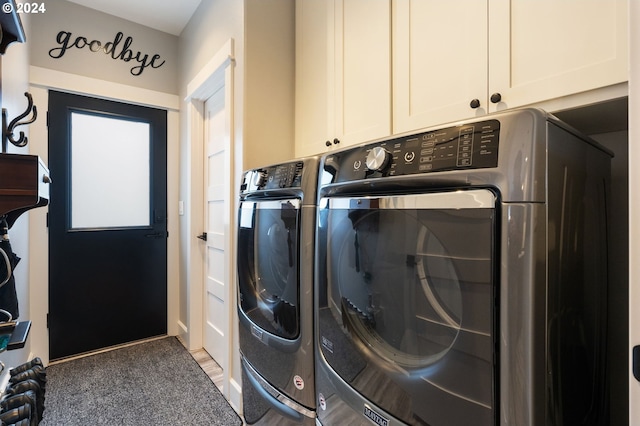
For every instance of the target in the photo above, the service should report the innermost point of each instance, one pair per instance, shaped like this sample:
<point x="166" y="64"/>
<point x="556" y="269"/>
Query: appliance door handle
<point x="271" y="400"/>
<point x="636" y="362"/>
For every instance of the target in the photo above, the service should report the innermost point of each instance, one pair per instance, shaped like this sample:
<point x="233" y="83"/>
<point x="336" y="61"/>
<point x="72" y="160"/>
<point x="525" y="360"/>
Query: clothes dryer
<point x="276" y="229"/>
<point x="462" y="277"/>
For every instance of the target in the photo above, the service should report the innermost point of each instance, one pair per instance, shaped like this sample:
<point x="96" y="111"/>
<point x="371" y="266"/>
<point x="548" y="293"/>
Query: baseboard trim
<point x="235" y="396"/>
<point x="110" y="348"/>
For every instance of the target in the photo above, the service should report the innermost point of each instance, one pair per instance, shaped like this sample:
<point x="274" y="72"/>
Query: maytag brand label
<point x="256" y="332"/>
<point x="327" y="344"/>
<point x="375" y="417"/>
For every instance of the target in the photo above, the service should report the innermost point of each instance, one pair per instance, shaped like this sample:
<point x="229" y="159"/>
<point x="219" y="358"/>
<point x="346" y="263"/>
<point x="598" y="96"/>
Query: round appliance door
<point x="409" y="293"/>
<point x="268" y="237"/>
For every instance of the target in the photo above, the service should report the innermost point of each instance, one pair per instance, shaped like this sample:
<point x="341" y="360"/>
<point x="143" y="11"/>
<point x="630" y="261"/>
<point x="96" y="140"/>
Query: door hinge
<point x="47" y="320"/>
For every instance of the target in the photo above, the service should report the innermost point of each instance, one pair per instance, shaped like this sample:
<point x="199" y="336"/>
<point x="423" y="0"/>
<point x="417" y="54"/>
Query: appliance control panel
<point x="463" y="147"/>
<point x="279" y="176"/>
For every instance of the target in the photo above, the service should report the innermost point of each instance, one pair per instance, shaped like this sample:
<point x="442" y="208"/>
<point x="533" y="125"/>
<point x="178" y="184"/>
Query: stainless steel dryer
<point x="276" y="229"/>
<point x="462" y="277"/>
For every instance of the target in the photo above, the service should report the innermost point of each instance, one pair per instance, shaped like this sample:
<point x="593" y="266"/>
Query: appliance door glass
<point x="268" y="264"/>
<point x="407" y="302"/>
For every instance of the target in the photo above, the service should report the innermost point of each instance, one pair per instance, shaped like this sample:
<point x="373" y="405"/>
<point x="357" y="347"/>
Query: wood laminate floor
<point x="213" y="370"/>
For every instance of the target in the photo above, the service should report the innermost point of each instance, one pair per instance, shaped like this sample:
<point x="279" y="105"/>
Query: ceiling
<point x="170" y="16"/>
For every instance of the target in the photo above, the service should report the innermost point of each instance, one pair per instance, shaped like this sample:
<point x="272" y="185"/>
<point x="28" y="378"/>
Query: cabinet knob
<point x="336" y="141"/>
<point x="328" y="143"/>
<point x="475" y="103"/>
<point x="496" y="97"/>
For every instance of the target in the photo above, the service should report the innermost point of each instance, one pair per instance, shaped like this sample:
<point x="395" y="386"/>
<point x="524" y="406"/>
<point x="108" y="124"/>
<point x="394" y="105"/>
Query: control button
<point x="409" y="156"/>
<point x="378" y="159"/>
<point x="357" y="164"/>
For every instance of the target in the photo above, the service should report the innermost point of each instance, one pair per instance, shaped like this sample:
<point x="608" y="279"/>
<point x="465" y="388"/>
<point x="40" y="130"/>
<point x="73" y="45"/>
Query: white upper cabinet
<point x="455" y="60"/>
<point x="439" y="61"/>
<point x="313" y="59"/>
<point x="546" y="49"/>
<point x="368" y="69"/>
<point x="362" y="102"/>
<point x="343" y="73"/>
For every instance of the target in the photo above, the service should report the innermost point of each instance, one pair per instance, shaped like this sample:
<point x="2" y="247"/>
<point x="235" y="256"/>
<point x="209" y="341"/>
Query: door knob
<point x="203" y="236"/>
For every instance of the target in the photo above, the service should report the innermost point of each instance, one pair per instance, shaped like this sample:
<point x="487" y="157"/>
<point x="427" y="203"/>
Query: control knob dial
<point x="260" y="178"/>
<point x="378" y="159"/>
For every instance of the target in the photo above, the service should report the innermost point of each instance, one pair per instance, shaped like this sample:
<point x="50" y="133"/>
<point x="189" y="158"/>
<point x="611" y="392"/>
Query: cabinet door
<point x="439" y="61"/>
<point x="314" y="53"/>
<point x="362" y="70"/>
<point x="545" y="49"/>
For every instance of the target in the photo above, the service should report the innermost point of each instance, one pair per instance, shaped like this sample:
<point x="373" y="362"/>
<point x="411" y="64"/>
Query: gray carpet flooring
<point x="152" y="383"/>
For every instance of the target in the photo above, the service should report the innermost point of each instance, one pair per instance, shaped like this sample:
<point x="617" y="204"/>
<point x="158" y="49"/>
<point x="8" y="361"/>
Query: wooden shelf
<point x="24" y="185"/>
<point x="12" y="30"/>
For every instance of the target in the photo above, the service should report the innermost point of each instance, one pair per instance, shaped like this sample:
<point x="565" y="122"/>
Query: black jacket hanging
<point x="8" y="261"/>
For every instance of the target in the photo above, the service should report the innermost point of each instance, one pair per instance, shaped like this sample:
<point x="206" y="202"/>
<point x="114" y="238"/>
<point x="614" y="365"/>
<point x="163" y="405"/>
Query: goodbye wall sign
<point x="118" y="49"/>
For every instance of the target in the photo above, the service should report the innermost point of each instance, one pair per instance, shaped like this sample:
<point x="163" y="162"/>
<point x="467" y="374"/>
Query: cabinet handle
<point x="496" y="97"/>
<point x="475" y="103"/>
<point x="328" y="143"/>
<point x="336" y="141"/>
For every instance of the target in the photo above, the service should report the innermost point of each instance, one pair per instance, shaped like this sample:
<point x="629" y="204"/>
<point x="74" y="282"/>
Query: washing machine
<point x="462" y="277"/>
<point x="276" y="230"/>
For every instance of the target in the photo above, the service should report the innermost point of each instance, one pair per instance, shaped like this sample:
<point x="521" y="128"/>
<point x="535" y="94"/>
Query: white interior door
<point x="217" y="203"/>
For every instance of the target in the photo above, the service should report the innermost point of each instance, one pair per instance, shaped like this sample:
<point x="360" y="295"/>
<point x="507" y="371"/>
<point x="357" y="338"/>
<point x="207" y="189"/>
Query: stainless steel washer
<point x="462" y="277"/>
<point x="276" y="228"/>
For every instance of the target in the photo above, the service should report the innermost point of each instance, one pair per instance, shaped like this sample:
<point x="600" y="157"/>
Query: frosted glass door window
<point x="110" y="166"/>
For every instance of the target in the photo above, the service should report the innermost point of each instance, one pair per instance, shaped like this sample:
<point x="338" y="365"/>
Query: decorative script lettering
<point x="118" y="49"/>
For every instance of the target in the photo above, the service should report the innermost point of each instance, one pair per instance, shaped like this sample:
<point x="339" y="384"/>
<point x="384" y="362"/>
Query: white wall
<point x="269" y="82"/>
<point x="263" y="100"/>
<point x="214" y="23"/>
<point x="93" y="25"/>
<point x="15" y="80"/>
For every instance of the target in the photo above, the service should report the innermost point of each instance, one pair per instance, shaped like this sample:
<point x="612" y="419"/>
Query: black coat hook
<point x="7" y="130"/>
